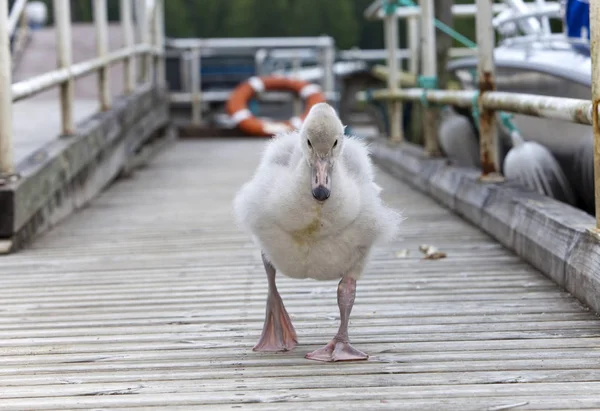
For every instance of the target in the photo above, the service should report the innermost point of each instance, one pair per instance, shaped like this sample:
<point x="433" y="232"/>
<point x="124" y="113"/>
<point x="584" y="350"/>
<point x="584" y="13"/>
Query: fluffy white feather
<point x="304" y="238"/>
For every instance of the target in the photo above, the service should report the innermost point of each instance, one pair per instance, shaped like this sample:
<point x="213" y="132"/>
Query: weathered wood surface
<point x="66" y="173"/>
<point x="553" y="236"/>
<point x="151" y="298"/>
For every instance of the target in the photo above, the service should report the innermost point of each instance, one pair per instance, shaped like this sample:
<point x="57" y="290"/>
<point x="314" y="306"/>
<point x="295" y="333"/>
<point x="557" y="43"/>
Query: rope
<point x="506" y="121"/>
<point x="390" y="6"/>
<point x="475" y="109"/>
<point x="505" y="118"/>
<point x="465" y="41"/>
<point x="427" y="83"/>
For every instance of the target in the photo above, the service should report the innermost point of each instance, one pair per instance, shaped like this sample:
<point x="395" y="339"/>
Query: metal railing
<point x="17" y="27"/>
<point x="486" y="100"/>
<point x="148" y="47"/>
<point x="415" y="49"/>
<point x="191" y="50"/>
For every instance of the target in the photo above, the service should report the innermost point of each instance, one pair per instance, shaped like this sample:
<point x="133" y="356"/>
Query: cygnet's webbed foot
<point x="337" y="351"/>
<point x="278" y="332"/>
<point x="340" y="349"/>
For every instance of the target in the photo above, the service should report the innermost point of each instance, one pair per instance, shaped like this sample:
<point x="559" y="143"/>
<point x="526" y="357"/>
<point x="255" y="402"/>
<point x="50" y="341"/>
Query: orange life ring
<point x="237" y="105"/>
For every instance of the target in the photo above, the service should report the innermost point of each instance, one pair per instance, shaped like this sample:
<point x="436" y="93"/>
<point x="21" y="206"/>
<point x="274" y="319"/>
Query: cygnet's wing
<point x="280" y="149"/>
<point x="276" y="160"/>
<point x="358" y="163"/>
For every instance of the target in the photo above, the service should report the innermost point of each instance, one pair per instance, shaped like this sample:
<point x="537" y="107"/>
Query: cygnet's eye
<point x="309" y="144"/>
<point x="335" y="144"/>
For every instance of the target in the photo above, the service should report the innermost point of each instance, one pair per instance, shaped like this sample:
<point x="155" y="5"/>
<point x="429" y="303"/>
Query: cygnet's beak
<point x="321" y="179"/>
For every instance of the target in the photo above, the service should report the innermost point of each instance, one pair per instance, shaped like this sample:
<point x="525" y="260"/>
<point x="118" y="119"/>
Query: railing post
<point x="595" y="53"/>
<point x="6" y="148"/>
<point x="430" y="80"/>
<point x="413" y="44"/>
<point x="297" y="102"/>
<point x="128" y="39"/>
<point x="328" y="75"/>
<point x="159" y="42"/>
<point x="196" y="86"/>
<point x="62" y="18"/>
<point x="488" y="131"/>
<point x="101" y="23"/>
<point x="141" y="16"/>
<point x="394" y="107"/>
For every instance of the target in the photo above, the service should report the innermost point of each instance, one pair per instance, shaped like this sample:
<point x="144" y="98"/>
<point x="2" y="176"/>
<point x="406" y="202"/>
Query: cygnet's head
<point x="322" y="135"/>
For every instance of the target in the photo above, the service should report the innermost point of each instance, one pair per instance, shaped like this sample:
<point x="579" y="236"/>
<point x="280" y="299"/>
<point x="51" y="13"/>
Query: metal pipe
<point x="7" y="166"/>
<point x="595" y="53"/>
<point x="375" y="11"/>
<point x="184" y="71"/>
<point x="488" y="132"/>
<point x="394" y="107"/>
<point x="222" y="96"/>
<point x="196" y="86"/>
<point x="545" y="21"/>
<point x="128" y="39"/>
<point x="328" y="74"/>
<point x="413" y="45"/>
<point x="37" y="84"/>
<point x="101" y="23"/>
<point x="159" y="42"/>
<point x="252" y="42"/>
<point x="545" y="12"/>
<point x="14" y="15"/>
<point x="558" y="108"/>
<point x="62" y="18"/>
<point x="430" y="114"/>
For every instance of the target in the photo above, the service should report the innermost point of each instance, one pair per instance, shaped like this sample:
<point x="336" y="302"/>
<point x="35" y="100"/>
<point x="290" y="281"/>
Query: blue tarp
<point x="577" y="20"/>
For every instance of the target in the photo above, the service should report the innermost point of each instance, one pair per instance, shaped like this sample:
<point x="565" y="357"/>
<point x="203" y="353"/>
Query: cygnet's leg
<point x="340" y="349"/>
<point x="278" y="332"/>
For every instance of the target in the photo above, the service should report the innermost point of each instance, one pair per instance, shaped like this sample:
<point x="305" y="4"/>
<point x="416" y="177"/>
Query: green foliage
<point x="342" y="19"/>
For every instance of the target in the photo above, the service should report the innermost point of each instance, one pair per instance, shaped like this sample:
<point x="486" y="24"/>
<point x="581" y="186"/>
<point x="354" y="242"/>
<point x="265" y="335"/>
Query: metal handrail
<point x="485" y="101"/>
<point x="375" y="11"/>
<point x="549" y="10"/>
<point x="37" y="84"/>
<point x="15" y="14"/>
<point x="191" y="51"/>
<point x="151" y="47"/>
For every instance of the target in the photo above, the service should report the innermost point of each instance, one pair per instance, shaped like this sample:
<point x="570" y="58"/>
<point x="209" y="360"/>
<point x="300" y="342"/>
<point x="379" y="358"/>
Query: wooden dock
<point x="151" y="298"/>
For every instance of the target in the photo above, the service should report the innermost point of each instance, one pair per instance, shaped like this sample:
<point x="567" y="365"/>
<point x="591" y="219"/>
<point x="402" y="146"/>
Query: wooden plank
<point x="130" y="305"/>
<point x="64" y="174"/>
<point x="553" y="236"/>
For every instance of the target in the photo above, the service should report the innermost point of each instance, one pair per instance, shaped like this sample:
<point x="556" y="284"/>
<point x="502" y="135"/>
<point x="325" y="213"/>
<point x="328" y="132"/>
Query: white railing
<point x="149" y="47"/>
<point x="487" y="100"/>
<point x="190" y="52"/>
<point x="16" y="14"/>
